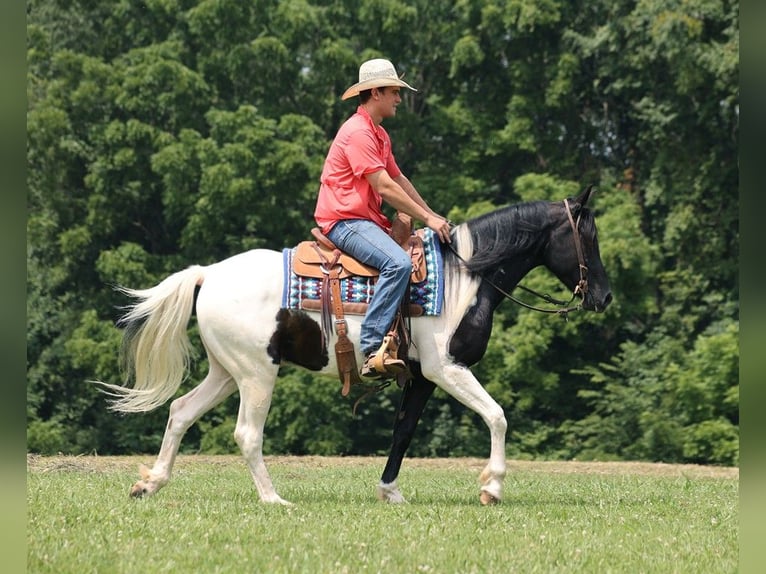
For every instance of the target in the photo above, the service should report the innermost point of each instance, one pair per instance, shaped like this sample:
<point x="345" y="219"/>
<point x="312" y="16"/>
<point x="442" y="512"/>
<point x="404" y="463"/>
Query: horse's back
<point x="246" y="273"/>
<point x="240" y="296"/>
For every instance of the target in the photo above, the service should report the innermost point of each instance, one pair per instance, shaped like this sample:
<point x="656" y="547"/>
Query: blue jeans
<point x="368" y="243"/>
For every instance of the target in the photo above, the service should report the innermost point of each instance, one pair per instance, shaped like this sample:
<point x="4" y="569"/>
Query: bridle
<point x="580" y="289"/>
<point x="582" y="285"/>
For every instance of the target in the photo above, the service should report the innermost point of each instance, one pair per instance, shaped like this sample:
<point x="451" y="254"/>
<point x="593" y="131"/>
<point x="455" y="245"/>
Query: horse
<point x="247" y="333"/>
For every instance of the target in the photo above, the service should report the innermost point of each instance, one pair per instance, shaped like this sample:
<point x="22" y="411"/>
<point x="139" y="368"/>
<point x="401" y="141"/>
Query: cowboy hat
<point x="375" y="73"/>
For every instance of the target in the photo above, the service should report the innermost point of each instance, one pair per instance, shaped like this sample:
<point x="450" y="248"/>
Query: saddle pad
<point x="429" y="293"/>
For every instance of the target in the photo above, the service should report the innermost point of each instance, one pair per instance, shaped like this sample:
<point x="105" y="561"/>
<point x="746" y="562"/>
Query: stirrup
<point x="377" y="367"/>
<point x="385" y="359"/>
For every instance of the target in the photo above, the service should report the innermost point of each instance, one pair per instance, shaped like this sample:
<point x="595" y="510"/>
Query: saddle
<point x="311" y="256"/>
<point x="312" y="259"/>
<point x="322" y="259"/>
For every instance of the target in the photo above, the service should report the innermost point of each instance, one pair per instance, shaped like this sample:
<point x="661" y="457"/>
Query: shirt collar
<point x="377" y="130"/>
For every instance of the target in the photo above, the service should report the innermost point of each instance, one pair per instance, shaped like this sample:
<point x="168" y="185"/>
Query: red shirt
<point x="359" y="148"/>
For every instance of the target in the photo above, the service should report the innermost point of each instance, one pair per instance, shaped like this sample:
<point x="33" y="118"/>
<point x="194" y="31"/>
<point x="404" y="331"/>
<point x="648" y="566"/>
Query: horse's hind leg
<point x="184" y="412"/>
<point x="255" y="401"/>
<point x="414" y="398"/>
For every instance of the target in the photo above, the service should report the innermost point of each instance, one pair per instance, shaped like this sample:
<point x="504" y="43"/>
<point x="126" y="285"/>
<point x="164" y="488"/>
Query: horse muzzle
<point x="597" y="303"/>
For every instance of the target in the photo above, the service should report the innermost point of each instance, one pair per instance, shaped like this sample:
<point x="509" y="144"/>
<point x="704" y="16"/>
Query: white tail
<point x="156" y="347"/>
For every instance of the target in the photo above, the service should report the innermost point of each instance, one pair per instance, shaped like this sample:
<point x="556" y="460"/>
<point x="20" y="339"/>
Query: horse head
<point x="572" y="253"/>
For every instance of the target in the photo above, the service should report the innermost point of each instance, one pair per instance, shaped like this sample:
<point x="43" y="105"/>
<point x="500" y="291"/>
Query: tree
<point x="172" y="132"/>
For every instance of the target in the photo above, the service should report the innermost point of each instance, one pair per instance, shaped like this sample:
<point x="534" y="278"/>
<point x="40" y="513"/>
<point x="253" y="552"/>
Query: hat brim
<point x="374" y="83"/>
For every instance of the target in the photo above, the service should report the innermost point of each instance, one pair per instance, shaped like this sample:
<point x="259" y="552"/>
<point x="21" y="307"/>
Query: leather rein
<point x="580" y="289"/>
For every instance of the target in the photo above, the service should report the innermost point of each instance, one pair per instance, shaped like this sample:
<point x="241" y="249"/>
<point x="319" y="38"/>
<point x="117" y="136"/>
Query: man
<point x="359" y="173"/>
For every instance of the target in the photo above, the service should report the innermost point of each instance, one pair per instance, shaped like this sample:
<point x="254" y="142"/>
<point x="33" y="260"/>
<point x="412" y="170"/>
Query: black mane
<point x="501" y="234"/>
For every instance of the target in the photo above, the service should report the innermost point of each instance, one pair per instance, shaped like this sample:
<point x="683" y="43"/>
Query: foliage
<point x="172" y="132"/>
<point x="669" y="404"/>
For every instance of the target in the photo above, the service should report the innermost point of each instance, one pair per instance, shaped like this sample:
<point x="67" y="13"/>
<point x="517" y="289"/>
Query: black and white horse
<point x="239" y="299"/>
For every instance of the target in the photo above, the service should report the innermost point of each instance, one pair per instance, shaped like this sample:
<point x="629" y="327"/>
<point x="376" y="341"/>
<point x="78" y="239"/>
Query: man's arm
<point x="410" y="190"/>
<point x="400" y="199"/>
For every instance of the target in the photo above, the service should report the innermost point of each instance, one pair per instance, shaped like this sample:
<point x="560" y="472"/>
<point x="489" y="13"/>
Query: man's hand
<point x="440" y="226"/>
<point x="401" y="228"/>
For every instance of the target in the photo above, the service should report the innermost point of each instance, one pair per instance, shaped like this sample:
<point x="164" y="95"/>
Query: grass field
<point x="555" y="517"/>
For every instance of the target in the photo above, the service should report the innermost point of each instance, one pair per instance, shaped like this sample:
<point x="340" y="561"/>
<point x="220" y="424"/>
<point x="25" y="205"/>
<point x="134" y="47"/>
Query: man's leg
<point x="371" y="245"/>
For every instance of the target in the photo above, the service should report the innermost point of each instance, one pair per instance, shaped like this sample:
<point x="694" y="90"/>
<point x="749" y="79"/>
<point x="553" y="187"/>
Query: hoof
<point x="280" y="501"/>
<point x="487" y="499"/>
<point x="389" y="493"/>
<point x="391" y="497"/>
<point x="138" y="490"/>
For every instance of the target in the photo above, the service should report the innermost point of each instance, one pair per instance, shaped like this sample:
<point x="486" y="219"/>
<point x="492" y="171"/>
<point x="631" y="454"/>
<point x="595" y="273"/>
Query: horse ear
<point x="582" y="199"/>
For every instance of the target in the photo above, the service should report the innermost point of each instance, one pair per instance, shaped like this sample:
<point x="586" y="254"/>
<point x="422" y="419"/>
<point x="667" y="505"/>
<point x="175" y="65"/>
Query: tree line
<point x="174" y="132"/>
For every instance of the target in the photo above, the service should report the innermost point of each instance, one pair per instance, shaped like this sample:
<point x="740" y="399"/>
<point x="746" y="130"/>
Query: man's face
<point x="388" y="99"/>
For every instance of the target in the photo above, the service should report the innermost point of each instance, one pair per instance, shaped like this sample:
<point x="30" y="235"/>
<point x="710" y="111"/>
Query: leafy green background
<point x="172" y="132"/>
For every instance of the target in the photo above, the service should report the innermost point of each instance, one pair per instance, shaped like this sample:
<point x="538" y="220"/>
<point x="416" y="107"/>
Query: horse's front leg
<point x="184" y="412"/>
<point x="458" y="381"/>
<point x="414" y="398"/>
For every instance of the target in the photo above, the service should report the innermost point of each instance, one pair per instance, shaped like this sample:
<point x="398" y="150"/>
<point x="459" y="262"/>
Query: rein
<point x="580" y="289"/>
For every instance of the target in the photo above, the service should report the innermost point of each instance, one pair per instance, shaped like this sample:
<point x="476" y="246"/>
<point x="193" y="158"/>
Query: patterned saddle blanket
<point x="305" y="292"/>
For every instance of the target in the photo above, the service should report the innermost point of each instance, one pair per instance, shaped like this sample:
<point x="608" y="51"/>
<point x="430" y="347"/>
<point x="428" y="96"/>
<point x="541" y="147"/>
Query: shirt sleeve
<point x="362" y="154"/>
<point x="392" y="168"/>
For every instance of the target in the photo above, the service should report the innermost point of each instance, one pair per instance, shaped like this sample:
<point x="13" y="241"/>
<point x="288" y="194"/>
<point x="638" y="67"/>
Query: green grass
<point x="554" y="518"/>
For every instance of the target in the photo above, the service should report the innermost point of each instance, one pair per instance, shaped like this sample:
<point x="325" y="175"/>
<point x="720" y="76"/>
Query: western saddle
<point x="322" y="259"/>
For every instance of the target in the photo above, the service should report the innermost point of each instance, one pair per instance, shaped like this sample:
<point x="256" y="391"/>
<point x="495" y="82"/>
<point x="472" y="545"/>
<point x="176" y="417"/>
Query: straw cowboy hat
<point x="375" y="73"/>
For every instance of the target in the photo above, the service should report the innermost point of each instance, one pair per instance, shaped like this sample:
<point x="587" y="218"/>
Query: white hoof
<point x="488" y="499"/>
<point x="276" y="499"/>
<point x="148" y="484"/>
<point x="390" y="493"/>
